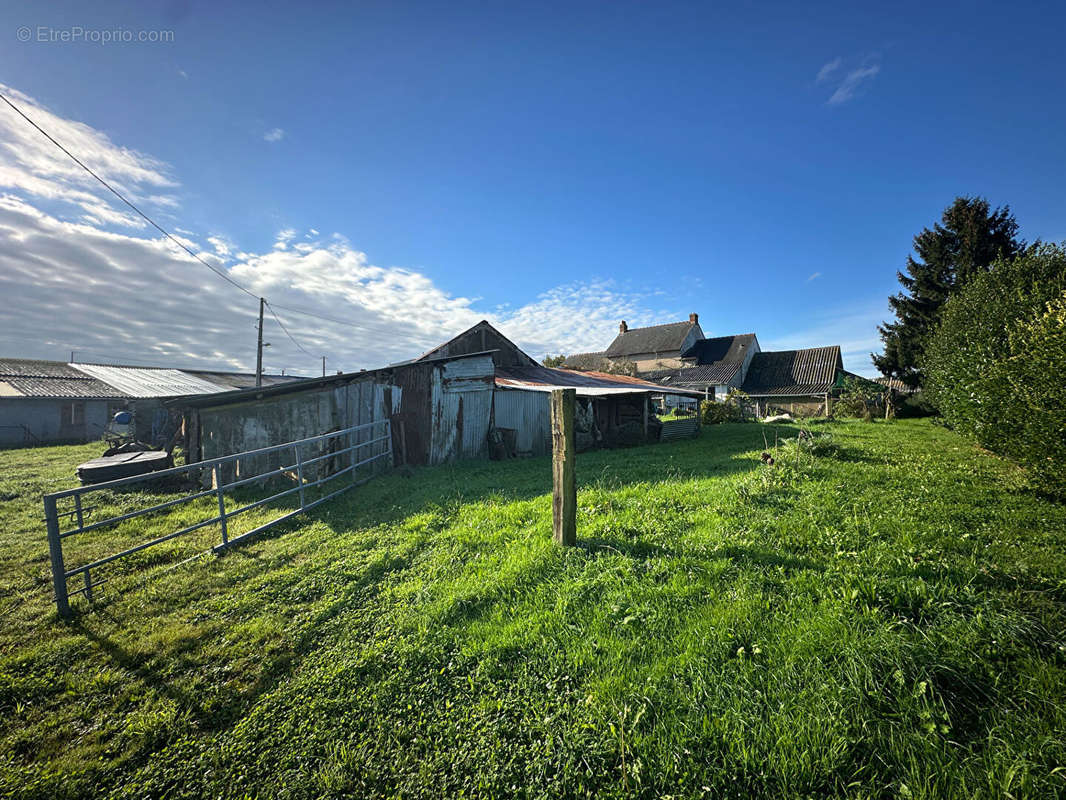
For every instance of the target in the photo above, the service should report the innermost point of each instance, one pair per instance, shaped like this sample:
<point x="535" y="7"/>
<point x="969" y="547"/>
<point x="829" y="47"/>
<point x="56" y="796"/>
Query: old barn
<point x="475" y="396"/>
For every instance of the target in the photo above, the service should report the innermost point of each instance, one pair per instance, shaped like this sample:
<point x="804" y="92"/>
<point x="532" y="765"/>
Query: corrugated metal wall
<point x="462" y="406"/>
<point x="529" y="415"/>
<point x="441" y="410"/>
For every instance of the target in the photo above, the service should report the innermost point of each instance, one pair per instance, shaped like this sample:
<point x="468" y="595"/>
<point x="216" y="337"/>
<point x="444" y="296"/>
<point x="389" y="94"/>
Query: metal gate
<point x="341" y="446"/>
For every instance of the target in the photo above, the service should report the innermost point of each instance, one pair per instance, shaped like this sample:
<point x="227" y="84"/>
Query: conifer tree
<point x="968" y="238"/>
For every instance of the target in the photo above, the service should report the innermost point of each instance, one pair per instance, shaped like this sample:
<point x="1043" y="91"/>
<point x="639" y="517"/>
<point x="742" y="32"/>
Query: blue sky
<point x="554" y="167"/>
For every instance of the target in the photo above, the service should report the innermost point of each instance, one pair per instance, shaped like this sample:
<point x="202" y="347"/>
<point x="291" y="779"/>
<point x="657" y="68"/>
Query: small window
<point x="72" y="414"/>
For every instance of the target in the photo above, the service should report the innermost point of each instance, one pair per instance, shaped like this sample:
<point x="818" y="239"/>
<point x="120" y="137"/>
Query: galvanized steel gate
<point x="216" y="469"/>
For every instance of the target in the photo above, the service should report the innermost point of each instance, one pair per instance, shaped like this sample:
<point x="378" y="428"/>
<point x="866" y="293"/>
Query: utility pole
<point x="259" y="348"/>
<point x="323" y="366"/>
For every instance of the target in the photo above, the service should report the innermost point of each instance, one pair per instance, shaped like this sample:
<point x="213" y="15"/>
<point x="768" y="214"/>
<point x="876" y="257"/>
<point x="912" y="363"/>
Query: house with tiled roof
<point x="677" y="355"/>
<point x="655" y="347"/>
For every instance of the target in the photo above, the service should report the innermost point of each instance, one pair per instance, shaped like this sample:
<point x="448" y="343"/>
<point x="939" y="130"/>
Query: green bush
<point x="1034" y="414"/>
<point x="994" y="365"/>
<point x="860" y="398"/>
<point x="914" y="405"/>
<point x="735" y="408"/>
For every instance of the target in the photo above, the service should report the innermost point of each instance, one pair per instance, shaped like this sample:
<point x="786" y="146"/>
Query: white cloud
<point x="32" y="165"/>
<point x="274" y="135"/>
<point x="222" y="247"/>
<point x="94" y="282"/>
<point x="851" y="84"/>
<point x="814" y="276"/>
<point x="105" y="279"/>
<point x="828" y="69"/>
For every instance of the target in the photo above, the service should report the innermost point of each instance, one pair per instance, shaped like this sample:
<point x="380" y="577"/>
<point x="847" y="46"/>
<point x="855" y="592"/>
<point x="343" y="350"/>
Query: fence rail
<point x="215" y="468"/>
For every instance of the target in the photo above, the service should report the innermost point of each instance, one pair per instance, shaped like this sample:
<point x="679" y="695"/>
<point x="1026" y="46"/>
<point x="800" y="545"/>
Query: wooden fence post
<point x="564" y="486"/>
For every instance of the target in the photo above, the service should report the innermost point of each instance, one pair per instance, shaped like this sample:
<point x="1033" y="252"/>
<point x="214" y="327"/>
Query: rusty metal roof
<point x="793" y="372"/>
<point x="588" y="384"/>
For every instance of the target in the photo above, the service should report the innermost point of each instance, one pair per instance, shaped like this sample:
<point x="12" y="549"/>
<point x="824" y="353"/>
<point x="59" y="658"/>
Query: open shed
<point x="611" y="409"/>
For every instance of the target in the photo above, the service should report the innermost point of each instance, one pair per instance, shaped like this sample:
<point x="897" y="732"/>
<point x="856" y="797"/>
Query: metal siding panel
<point x="476" y="367"/>
<point x="529" y="415"/>
<point x="444" y="430"/>
<point x="477" y="408"/>
<point x="468" y="375"/>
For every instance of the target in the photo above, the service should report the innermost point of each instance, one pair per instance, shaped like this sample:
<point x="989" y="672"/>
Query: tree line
<point x="980" y="328"/>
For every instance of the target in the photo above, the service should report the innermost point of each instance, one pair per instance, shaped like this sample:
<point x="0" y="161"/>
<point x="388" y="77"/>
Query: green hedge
<point x="996" y="365"/>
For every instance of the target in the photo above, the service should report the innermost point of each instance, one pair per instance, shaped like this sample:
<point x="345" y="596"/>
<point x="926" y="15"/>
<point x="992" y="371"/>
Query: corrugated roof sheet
<point x="793" y="372"/>
<point x="239" y="380"/>
<point x="721" y="348"/>
<point x="718" y="374"/>
<point x="544" y="379"/>
<point x="150" y="381"/>
<point x="37" y="368"/>
<point x="26" y="377"/>
<point x="653" y="339"/>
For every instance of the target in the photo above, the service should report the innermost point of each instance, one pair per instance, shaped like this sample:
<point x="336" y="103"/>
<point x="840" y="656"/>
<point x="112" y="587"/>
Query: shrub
<point x="914" y="405"/>
<point x="860" y="398"/>
<point x="735" y="408"/>
<point x="1034" y="412"/>
<point x="994" y="365"/>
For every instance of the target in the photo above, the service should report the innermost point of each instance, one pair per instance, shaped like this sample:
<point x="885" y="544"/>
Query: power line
<point x="315" y="314"/>
<point x="115" y="192"/>
<point x="176" y="241"/>
<point x="282" y="324"/>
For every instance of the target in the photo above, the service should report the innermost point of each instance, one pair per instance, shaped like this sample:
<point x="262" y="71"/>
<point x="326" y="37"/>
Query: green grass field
<point x="882" y="614"/>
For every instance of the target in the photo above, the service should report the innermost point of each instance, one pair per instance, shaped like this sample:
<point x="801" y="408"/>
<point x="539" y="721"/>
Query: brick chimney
<point x="622" y="327"/>
<point x="694" y="318"/>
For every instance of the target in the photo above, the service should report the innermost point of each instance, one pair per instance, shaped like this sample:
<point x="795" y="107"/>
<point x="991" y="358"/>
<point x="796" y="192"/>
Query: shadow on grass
<point x="753" y="556"/>
<point x="355" y="592"/>
<point x="715" y="453"/>
<point x="443" y="490"/>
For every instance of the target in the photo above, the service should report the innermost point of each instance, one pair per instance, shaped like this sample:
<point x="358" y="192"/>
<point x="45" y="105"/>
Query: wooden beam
<point x="564" y="485"/>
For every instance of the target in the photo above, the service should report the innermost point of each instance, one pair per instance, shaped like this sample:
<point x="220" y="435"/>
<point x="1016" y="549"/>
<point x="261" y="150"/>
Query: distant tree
<point x="619" y="367"/>
<point x="968" y="238"/>
<point x="554" y="361"/>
